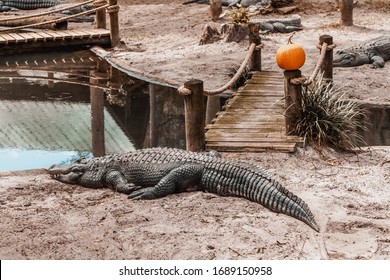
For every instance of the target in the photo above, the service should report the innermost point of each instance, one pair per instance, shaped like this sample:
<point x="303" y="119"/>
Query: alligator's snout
<point x="68" y="173"/>
<point x="341" y="59"/>
<point x="56" y="169"/>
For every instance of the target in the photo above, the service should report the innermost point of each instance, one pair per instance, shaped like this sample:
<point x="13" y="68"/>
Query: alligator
<point x="374" y="51"/>
<point x="232" y="3"/>
<point x="245" y="3"/>
<point x="7" y="5"/>
<point x="283" y="25"/>
<point x="157" y="172"/>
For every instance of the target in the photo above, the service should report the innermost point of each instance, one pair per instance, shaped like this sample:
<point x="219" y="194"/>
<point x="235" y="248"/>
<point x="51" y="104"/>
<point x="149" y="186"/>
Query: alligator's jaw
<point x="349" y="59"/>
<point x="59" y="169"/>
<point x="66" y="173"/>
<point x="343" y="60"/>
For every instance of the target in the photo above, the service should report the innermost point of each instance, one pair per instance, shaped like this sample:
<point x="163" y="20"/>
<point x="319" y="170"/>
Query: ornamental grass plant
<point x="325" y="118"/>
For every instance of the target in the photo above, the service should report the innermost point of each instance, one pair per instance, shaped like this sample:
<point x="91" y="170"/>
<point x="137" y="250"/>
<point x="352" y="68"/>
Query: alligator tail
<point x="257" y="186"/>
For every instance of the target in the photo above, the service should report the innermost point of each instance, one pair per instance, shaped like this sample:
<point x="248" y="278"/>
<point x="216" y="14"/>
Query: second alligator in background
<point x="374" y="51"/>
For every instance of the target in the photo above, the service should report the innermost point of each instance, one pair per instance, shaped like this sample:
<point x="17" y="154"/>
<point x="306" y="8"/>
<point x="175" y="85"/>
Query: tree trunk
<point x="346" y="9"/>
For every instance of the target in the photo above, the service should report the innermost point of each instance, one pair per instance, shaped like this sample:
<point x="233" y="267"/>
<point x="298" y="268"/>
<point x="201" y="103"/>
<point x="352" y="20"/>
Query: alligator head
<point x="83" y="172"/>
<point x="349" y="59"/>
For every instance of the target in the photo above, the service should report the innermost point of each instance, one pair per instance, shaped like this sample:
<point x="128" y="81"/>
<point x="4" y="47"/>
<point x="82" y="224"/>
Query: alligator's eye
<point x="76" y="169"/>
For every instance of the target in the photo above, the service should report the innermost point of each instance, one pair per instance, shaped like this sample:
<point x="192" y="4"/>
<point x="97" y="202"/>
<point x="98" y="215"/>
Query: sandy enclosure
<point x="349" y="194"/>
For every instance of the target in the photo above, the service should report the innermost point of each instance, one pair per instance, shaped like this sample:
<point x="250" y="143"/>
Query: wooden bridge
<point x="253" y="119"/>
<point x="261" y="115"/>
<point x="18" y="37"/>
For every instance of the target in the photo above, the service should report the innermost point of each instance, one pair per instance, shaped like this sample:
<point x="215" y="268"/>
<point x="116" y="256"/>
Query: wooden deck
<point x="253" y="119"/>
<point x="25" y="41"/>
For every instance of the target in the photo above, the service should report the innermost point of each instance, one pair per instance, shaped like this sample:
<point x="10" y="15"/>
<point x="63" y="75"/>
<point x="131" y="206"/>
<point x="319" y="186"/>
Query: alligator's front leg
<point x="179" y="179"/>
<point x="377" y="62"/>
<point x="117" y="181"/>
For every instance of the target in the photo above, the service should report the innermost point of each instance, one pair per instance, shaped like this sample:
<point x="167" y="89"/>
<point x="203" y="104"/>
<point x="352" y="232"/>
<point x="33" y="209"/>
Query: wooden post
<point x="327" y="65"/>
<point x="50" y="82"/>
<point x="346" y="9"/>
<point x="215" y="9"/>
<point x="254" y="37"/>
<point x="113" y="11"/>
<point x="152" y="116"/>
<point x="97" y="118"/>
<point x="293" y="98"/>
<point x="195" y="116"/>
<point x="100" y="15"/>
<point x="102" y="69"/>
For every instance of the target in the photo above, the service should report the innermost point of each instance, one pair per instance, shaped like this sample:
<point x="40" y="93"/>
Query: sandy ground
<point x="348" y="194"/>
<point x="162" y="38"/>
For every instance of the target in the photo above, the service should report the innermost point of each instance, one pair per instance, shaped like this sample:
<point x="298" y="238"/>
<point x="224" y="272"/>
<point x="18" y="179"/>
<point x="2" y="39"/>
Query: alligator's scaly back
<point x="223" y="176"/>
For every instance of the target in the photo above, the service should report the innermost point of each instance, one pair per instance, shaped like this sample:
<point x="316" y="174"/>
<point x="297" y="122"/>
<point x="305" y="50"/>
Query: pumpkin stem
<point x="290" y="38"/>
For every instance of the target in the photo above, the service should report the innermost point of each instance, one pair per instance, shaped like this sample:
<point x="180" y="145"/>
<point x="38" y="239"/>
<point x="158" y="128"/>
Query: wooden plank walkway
<point x="253" y="119"/>
<point x="24" y="41"/>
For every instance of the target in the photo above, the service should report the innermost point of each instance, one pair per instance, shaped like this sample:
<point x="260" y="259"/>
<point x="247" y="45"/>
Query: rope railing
<point x="324" y="47"/>
<point x="235" y="78"/>
<point x="49" y="12"/>
<point x="184" y="91"/>
<point x="56" y="20"/>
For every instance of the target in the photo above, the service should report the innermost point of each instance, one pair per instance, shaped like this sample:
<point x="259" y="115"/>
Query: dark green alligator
<point x="374" y="51"/>
<point x="158" y="172"/>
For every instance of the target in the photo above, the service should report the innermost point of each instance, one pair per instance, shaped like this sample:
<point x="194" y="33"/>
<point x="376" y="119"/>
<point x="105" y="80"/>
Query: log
<point x="234" y="32"/>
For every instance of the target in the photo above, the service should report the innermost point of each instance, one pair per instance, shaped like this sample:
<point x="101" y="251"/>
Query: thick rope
<point x="182" y="90"/>
<point x="235" y="78"/>
<point x="318" y="65"/>
<point x="185" y="91"/>
<point x="302" y="80"/>
<point x="48" y="12"/>
<point x="55" y="20"/>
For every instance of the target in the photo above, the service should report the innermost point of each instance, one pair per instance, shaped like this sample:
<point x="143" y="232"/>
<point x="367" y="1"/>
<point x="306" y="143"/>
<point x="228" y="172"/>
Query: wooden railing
<point x="194" y="92"/>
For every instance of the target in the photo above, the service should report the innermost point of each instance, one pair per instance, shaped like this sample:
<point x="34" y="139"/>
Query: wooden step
<point x="251" y="147"/>
<point x="269" y="126"/>
<point x="253" y="119"/>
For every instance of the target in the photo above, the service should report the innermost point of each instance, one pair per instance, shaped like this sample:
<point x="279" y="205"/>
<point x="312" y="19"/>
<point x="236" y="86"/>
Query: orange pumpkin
<point x="291" y="56"/>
